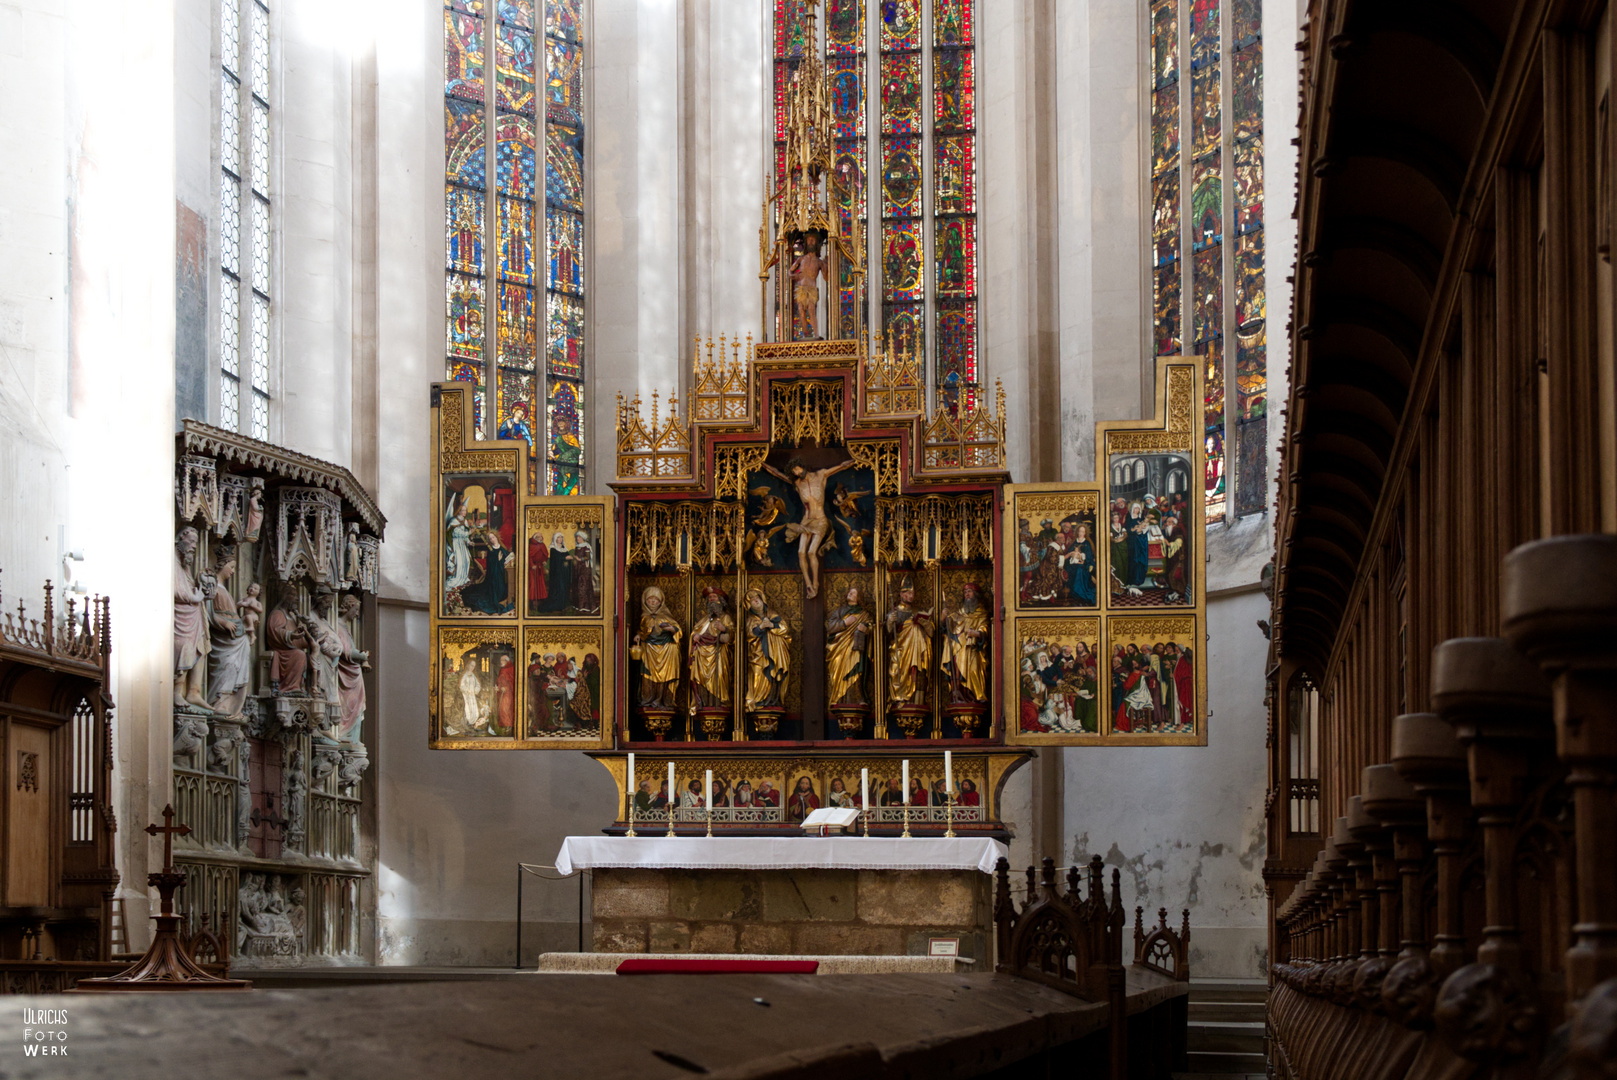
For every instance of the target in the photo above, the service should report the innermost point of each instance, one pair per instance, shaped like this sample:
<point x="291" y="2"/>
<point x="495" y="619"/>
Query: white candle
<point x="673" y="797"/>
<point x="631" y="788"/>
<point x="864" y="790"/>
<point x="906" y="781"/>
<point x="948" y="773"/>
<point x="709" y="802"/>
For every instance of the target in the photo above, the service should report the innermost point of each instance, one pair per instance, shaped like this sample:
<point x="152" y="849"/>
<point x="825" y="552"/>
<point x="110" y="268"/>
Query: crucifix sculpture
<point x="166" y="965"/>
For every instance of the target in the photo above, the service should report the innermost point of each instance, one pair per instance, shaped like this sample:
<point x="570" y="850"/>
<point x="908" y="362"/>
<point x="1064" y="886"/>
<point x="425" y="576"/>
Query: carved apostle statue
<point x="847" y="642"/>
<point x="965" y="647"/>
<point x="711" y="635"/>
<point x="910" y="665"/>
<point x="769" y="653"/>
<point x="656" y="646"/>
<point x="230" y="661"/>
<point x="192" y="589"/>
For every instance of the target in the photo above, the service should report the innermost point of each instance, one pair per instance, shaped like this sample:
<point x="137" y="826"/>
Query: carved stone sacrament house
<point x="276" y="566"/>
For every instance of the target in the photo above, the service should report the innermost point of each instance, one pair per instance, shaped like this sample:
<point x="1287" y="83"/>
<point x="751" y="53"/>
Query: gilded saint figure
<point x="910" y="666"/>
<point x="847" y="641"/>
<point x="656" y="646"/>
<point x="769" y="653"/>
<point x="710" y="651"/>
<point x="965" y="647"/>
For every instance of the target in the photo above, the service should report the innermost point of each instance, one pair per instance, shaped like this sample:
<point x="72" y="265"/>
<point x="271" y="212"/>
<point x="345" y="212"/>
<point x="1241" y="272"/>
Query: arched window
<point x="921" y="56"/>
<point x="1207" y="200"/>
<point x="244" y="217"/>
<point x="533" y="280"/>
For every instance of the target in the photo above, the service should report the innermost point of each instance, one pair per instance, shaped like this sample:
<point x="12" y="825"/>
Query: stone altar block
<point x="833" y="896"/>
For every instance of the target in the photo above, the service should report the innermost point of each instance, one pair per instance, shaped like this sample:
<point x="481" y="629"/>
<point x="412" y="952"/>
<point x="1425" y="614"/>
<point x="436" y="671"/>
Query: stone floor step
<point x="1217" y="1064"/>
<point x="1249" y="1011"/>
<point x="1245" y="990"/>
<point x="1228" y="1038"/>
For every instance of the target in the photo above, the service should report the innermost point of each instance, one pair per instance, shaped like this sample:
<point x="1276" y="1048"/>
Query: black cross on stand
<point x="166" y="880"/>
<point x="167" y="965"/>
<point x="268" y="816"/>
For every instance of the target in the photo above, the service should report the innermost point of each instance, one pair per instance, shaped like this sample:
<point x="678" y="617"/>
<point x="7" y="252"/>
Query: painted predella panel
<point x="565" y="695"/>
<point x="1057" y="552"/>
<point x="476" y="674"/>
<point x="1154" y="681"/>
<point x="479" y="573"/>
<point x="1057" y="677"/>
<point x="1150" y="551"/>
<point x="564" y="570"/>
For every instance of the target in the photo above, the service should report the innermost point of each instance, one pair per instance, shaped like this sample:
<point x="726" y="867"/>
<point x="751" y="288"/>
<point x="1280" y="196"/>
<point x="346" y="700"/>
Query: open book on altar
<point x="828" y="820"/>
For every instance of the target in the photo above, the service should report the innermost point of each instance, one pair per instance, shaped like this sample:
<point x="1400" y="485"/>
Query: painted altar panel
<point x="1120" y="562"/>
<point x="523" y="650"/>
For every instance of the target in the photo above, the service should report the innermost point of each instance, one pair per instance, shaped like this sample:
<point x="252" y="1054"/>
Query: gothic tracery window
<point x="1207" y="228"/>
<point x="920" y="55"/>
<point x="531" y="286"/>
<point x="244" y="216"/>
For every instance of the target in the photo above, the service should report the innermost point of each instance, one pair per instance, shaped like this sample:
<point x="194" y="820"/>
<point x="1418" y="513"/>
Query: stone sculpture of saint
<point x="230" y="659"/>
<point x="847" y="642"/>
<point x="769" y="653"/>
<point x="656" y="646"/>
<point x="350" y="670"/>
<point x="811" y="532"/>
<point x="911" y="660"/>
<point x="710" y="648"/>
<point x="191" y="647"/>
<point x="965" y="648"/>
<point x="288" y="645"/>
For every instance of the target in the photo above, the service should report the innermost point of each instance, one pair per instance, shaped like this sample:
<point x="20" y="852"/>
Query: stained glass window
<point x="245" y="243"/>
<point x="532" y="288"/>
<point x="1207" y="228"/>
<point x="845" y="64"/>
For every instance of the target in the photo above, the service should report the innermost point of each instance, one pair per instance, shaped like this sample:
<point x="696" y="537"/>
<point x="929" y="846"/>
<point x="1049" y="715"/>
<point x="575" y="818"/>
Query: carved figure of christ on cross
<point x="811" y="532"/>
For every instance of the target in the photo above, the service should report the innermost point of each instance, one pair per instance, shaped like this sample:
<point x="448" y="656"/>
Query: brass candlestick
<point x="710" y="821"/>
<point x="906" y="816"/>
<point x="629" y="798"/>
<point x="864" y="814"/>
<point x="948" y="808"/>
<point x="670" y="813"/>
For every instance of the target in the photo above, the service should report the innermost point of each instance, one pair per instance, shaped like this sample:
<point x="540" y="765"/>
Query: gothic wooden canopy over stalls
<point x="1452" y="399"/>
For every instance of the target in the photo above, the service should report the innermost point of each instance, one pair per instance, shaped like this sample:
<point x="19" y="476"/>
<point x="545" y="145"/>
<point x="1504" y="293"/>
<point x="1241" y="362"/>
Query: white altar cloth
<point x="779" y="853"/>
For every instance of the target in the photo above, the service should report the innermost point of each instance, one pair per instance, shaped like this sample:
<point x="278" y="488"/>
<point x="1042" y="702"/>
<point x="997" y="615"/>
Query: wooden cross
<point x="169" y="831"/>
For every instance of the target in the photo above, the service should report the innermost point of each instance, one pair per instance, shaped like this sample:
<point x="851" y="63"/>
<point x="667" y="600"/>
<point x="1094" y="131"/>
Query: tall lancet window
<point x="916" y="136"/>
<point x="531" y="285"/>
<point x="244" y="217"/>
<point x="1207" y="228"/>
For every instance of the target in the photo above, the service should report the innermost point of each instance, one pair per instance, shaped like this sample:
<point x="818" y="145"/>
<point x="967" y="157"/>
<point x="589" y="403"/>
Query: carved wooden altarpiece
<point x="628" y="622"/>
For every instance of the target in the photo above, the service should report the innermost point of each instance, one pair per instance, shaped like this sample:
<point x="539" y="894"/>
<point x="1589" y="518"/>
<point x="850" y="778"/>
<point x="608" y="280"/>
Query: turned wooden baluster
<point x="1559" y="606"/>
<point x="1426" y="754"/>
<point x="1351" y="852"/>
<point x="1499" y="707"/>
<point x="1372" y="840"/>
<point x="1392" y="801"/>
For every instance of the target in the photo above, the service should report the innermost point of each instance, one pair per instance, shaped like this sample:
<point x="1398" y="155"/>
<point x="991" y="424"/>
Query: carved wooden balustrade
<point x="1163" y="950"/>
<point x="1462" y="919"/>
<point x="1074" y="943"/>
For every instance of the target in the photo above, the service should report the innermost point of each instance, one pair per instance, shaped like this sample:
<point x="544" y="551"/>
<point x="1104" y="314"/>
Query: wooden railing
<point x="1501" y="803"/>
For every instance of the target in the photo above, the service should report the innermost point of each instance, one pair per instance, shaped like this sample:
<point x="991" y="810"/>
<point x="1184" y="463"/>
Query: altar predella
<point x="807" y="575"/>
